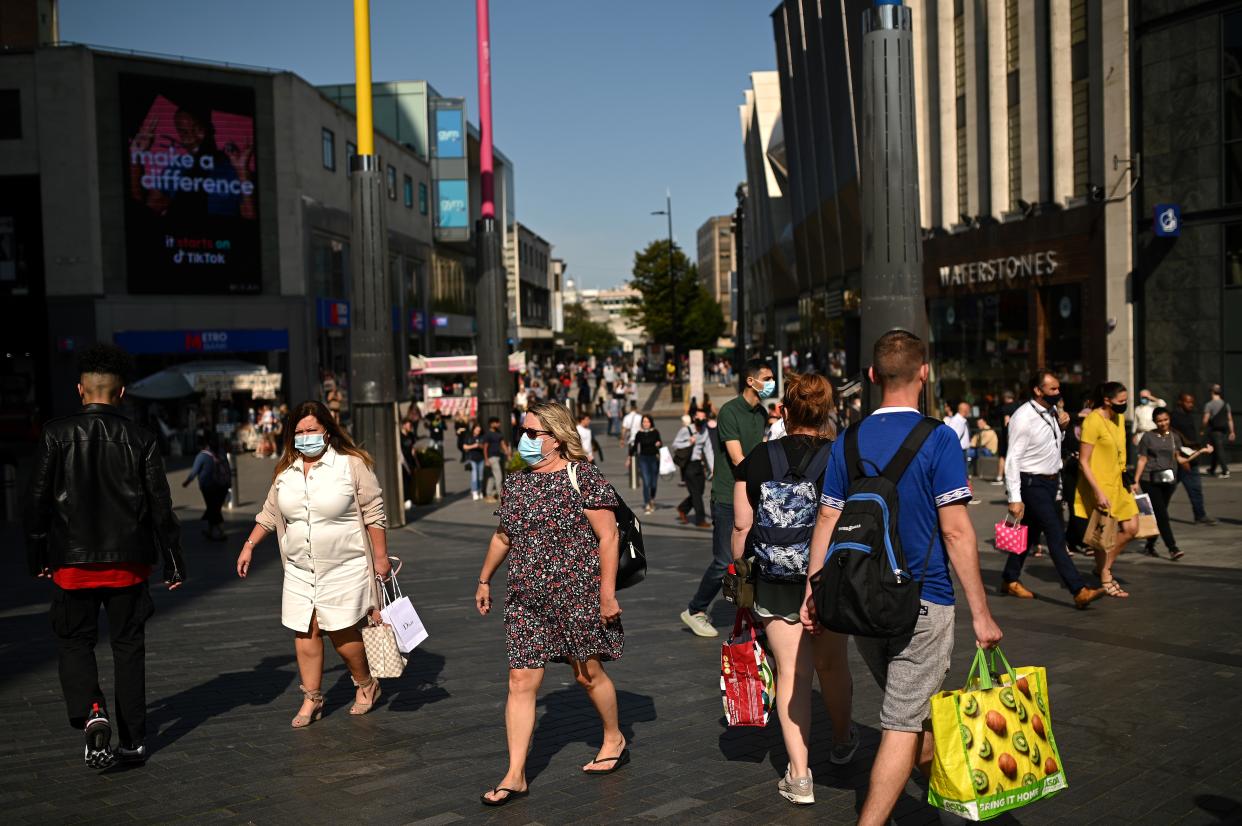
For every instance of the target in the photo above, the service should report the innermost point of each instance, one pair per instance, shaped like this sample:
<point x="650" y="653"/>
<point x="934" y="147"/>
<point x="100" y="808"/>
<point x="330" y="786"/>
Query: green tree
<point x="585" y="335"/>
<point x="679" y="308"/>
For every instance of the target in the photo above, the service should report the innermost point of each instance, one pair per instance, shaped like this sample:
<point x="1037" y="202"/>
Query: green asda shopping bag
<point x="994" y="746"/>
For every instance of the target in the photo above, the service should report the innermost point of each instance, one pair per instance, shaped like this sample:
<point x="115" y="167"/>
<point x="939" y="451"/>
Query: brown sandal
<point x="304" y="720"/>
<point x="1113" y="589"/>
<point x="359" y="709"/>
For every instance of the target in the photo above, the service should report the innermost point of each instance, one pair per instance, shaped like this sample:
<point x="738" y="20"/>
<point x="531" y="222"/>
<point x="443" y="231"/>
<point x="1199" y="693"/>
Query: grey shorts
<point x="911" y="669"/>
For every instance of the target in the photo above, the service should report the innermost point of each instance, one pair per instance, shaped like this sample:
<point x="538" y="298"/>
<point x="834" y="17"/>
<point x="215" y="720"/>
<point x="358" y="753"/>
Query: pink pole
<point x="486" y="162"/>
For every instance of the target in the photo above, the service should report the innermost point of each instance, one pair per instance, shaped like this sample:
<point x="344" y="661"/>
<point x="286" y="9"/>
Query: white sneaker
<point x="699" y="624"/>
<point x="800" y="790"/>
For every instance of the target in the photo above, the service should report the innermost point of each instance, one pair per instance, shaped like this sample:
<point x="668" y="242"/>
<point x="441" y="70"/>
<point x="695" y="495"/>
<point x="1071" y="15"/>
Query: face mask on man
<point x="309" y="445"/>
<point x="1052" y="399"/>
<point x="768" y="390"/>
<point x="531" y="450"/>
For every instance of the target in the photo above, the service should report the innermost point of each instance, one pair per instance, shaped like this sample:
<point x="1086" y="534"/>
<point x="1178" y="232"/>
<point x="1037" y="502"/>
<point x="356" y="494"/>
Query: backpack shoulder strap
<point x="817" y="464"/>
<point x="780" y="462"/>
<point x="905" y="454"/>
<point x="852" y="458"/>
<point x="572" y="471"/>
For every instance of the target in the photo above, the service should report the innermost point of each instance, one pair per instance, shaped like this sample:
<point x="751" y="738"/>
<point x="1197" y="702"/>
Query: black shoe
<point x="132" y="755"/>
<point x="1150" y="550"/>
<point x="98" y="739"/>
<point x="1206" y="520"/>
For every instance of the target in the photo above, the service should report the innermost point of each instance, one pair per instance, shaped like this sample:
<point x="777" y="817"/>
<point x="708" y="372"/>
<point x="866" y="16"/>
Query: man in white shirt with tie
<point x="1032" y="483"/>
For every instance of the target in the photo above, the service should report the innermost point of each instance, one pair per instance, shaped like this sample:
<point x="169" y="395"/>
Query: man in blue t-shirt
<point x="935" y="531"/>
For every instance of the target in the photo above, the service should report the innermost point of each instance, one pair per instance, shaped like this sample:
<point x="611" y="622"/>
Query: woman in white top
<point x="326" y="510"/>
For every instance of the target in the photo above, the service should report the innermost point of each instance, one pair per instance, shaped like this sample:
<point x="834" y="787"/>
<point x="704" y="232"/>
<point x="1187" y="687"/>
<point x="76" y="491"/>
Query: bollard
<point x="634" y="473"/>
<point x="232" y="500"/>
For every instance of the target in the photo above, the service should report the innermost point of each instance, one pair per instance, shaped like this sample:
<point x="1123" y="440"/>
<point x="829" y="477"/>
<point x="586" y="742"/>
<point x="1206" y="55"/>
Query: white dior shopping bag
<point x="400" y="614"/>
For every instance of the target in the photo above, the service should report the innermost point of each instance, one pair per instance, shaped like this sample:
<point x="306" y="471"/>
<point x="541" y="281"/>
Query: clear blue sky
<point x="600" y="105"/>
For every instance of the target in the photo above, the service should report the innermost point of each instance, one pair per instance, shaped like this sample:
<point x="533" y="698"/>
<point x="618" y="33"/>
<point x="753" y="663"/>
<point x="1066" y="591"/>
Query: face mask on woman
<point x="1118" y="407"/>
<point x="309" y="445"/>
<point x="531" y="450"/>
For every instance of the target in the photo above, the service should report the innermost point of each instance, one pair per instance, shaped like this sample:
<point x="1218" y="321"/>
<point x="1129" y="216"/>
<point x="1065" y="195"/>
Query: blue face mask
<point x="309" y="445"/>
<point x="531" y="450"/>
<point x="769" y="389"/>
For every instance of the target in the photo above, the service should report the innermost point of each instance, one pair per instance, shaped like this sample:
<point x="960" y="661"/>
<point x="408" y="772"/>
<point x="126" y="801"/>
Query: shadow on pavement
<point x="419" y="685"/>
<point x="176" y="715"/>
<point x="1224" y="809"/>
<point x="557" y="727"/>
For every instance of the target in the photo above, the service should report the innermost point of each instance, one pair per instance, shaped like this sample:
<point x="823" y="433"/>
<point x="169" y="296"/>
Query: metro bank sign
<point x="150" y="342"/>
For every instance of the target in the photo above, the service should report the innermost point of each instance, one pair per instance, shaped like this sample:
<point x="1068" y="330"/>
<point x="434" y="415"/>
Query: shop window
<point x="408" y="192"/>
<point x="329" y="150"/>
<point x="1233" y="172"/>
<point x="1233" y="255"/>
<point x="1231" y="104"/>
<point x="10" y="114"/>
<point x="1231" y="47"/>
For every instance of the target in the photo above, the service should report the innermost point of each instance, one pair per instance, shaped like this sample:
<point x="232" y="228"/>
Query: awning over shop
<point x="219" y="377"/>
<point x="451" y="365"/>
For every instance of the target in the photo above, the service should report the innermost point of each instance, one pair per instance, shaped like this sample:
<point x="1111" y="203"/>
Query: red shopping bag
<point x="1011" y="537"/>
<point x="747" y="687"/>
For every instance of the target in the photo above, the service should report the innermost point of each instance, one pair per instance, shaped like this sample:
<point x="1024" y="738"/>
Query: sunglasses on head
<point x="535" y="434"/>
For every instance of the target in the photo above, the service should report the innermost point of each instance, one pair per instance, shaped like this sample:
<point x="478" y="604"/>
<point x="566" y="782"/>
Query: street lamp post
<point x="672" y="284"/>
<point x="373" y="383"/>
<point x="495" y="385"/>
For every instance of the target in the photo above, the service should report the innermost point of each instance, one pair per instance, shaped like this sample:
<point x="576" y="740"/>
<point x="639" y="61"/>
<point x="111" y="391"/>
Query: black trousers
<point x="75" y="622"/>
<point x="696" y="480"/>
<point x="213" y="501"/>
<point x="1161" y="493"/>
<point x="1039" y="495"/>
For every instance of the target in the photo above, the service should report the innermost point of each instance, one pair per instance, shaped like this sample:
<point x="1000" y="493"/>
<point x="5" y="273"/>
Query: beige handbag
<point x="384" y="658"/>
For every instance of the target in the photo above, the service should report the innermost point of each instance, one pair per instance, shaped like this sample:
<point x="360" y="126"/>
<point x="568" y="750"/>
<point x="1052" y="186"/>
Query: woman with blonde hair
<point x="559" y="534"/>
<point x="775" y="501"/>
<point x="326" y="509"/>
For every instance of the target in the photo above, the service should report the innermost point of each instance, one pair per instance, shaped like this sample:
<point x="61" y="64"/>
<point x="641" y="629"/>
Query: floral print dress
<point x="552" y="598"/>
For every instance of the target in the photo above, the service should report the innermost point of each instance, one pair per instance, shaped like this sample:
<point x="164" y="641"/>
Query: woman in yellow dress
<point x="1100" y="487"/>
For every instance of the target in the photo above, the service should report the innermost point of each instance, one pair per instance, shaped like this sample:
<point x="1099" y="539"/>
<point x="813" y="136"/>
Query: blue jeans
<point x="1194" y="488"/>
<point x="476" y="475"/>
<point x="649" y="470"/>
<point x="1042" y="515"/>
<point x="722" y="557"/>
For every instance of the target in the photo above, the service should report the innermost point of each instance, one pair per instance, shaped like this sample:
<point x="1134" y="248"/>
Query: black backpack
<point x="864" y="587"/>
<point x="221" y="473"/>
<point x="632" y="564"/>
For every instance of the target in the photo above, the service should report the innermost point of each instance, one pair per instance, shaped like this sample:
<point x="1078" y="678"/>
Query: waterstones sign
<point x="1000" y="271"/>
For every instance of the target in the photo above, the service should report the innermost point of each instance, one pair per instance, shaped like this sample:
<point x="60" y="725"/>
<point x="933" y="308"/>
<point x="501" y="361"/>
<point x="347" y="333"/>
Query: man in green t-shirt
<point x="740" y="426"/>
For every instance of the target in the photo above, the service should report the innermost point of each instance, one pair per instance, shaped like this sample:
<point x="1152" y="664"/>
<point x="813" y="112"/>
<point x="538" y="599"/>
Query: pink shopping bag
<point x="1011" y="536"/>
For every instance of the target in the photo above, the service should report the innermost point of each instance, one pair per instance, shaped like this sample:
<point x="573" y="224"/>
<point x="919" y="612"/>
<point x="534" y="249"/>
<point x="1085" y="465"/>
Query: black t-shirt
<point x="756" y="468"/>
<point x="473" y="454"/>
<point x="645" y="442"/>
<point x="1187" y="424"/>
<point x="492" y="441"/>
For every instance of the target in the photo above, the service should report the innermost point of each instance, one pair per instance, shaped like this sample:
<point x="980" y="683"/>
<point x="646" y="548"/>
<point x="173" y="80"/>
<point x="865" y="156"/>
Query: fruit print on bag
<point x="1005" y="755"/>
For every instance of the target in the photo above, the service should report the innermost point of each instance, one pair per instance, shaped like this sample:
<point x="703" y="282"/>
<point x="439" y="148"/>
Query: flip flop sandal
<point x="617" y="762"/>
<point x="511" y="794"/>
<point x="1113" y="589"/>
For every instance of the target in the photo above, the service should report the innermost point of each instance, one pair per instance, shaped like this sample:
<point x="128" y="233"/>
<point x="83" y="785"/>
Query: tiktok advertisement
<point x="191" y="187"/>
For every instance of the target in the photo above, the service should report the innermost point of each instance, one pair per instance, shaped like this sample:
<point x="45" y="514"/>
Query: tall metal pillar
<point x="740" y="328"/>
<point x="373" y="385"/>
<point x="495" y="384"/>
<point x="892" y="250"/>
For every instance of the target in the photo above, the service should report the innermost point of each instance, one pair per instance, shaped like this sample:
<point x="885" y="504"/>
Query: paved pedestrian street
<point x="1146" y="694"/>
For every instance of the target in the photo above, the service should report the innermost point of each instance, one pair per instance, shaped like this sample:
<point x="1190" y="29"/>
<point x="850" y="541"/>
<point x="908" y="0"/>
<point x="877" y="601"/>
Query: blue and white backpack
<point x="786" y="512"/>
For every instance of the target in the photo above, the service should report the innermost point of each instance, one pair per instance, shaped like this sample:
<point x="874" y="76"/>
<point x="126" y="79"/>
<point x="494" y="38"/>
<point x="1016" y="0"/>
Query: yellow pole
<point x="362" y="74"/>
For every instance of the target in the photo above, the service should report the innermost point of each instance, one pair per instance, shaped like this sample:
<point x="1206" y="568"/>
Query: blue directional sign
<point x="1168" y="220"/>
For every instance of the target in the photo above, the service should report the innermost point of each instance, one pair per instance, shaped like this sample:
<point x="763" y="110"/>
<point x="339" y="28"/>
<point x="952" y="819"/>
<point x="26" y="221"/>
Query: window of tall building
<point x="1231" y="105"/>
<point x="329" y="150"/>
<point x="1080" y="77"/>
<point x="1013" y="101"/>
<point x="1233" y="255"/>
<point x="422" y="198"/>
<point x="392" y="182"/>
<point x="329" y="263"/>
<point x="407" y="192"/>
<point x="10" y="114"/>
<point x="350" y="152"/>
<point x="959" y="84"/>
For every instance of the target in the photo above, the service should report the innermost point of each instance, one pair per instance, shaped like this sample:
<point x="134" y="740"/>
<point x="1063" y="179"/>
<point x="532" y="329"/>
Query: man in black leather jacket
<point x="99" y="518"/>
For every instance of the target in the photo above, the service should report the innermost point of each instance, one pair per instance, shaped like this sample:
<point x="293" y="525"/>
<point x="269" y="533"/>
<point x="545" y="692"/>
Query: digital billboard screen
<point x="453" y="209"/>
<point x="450" y="135"/>
<point x="191" y="187"/>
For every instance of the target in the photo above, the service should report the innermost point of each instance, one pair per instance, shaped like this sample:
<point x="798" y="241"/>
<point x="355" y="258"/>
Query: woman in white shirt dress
<point x="326" y="509"/>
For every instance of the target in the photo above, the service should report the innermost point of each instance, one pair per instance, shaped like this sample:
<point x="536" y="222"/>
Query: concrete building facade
<point x="528" y="261"/>
<point x="717" y="263"/>
<point x="185" y="211"/>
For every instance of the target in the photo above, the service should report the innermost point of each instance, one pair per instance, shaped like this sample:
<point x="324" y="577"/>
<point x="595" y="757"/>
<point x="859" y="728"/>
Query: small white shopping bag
<point x="667" y="466"/>
<point x="400" y="614"/>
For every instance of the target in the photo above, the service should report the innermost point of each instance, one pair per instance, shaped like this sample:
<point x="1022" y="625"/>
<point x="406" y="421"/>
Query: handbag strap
<point x="743" y="617"/>
<point x="377" y="591"/>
